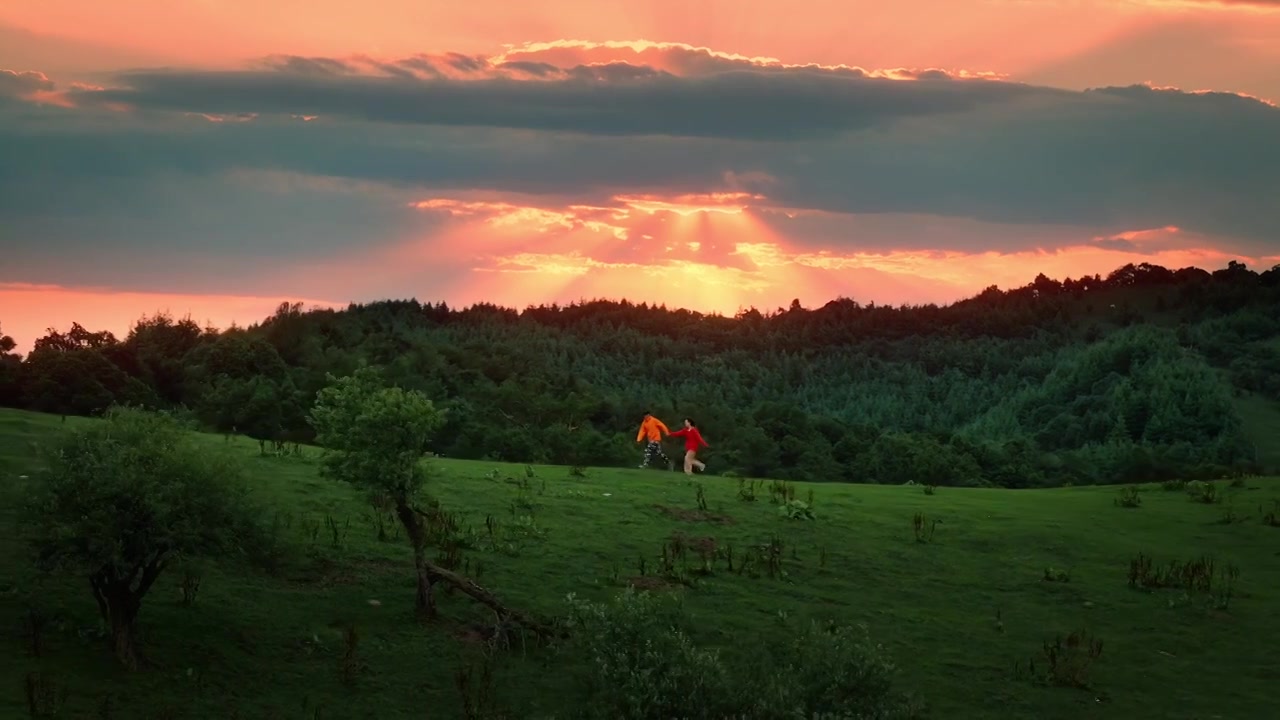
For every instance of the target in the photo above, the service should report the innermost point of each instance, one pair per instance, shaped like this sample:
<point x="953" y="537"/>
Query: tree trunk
<point x="119" y="601"/>
<point x="119" y="607"/>
<point x="469" y="587"/>
<point x="425" y="599"/>
<point x="485" y="597"/>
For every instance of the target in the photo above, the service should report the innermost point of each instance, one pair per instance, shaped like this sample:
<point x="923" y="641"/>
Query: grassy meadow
<point x="960" y="609"/>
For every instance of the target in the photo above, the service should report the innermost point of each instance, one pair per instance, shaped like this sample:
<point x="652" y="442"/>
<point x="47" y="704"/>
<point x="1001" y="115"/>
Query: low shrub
<point x="643" y="665"/>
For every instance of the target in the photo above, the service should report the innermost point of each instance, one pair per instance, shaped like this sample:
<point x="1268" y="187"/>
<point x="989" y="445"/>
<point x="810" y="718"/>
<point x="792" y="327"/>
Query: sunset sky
<point x="215" y="157"/>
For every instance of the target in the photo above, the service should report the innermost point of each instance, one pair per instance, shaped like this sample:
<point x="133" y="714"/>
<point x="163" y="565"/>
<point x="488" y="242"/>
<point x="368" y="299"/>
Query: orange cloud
<point x="716" y="252"/>
<point x="1249" y="6"/>
<point x="688" y="60"/>
<point x="208" y="32"/>
<point x="754" y="267"/>
<point x="729" y="203"/>
<point x="614" y="60"/>
<point x="504" y="214"/>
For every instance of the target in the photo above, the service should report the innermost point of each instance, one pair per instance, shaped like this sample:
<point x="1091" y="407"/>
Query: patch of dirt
<point x="685" y="515"/>
<point x="469" y="634"/>
<point x="651" y="582"/>
<point x="327" y="572"/>
<point x="697" y="545"/>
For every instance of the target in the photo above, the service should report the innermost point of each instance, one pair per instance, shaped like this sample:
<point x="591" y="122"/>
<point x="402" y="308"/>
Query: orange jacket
<point x="652" y="429"/>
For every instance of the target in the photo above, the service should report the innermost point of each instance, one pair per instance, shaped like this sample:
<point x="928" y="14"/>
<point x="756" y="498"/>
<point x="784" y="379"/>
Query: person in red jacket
<point x="693" y="442"/>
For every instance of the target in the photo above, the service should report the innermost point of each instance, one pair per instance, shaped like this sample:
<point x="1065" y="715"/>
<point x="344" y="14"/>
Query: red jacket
<point x="692" y="438"/>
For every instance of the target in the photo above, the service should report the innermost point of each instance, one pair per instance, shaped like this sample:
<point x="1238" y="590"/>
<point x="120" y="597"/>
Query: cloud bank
<point x="571" y="157"/>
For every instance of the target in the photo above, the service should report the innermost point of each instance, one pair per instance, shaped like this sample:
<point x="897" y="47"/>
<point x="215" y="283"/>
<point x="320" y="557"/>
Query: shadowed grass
<point x="957" y="613"/>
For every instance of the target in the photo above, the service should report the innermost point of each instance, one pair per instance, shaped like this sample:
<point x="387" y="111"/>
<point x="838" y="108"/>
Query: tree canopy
<point x="1086" y="380"/>
<point x="123" y="499"/>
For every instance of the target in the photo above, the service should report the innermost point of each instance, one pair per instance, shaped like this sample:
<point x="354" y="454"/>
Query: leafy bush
<point x="1069" y="659"/>
<point x="123" y="500"/>
<point x="1130" y="497"/>
<point x="826" y="671"/>
<point x="1271" y="517"/>
<point x="797" y="510"/>
<point x="1053" y="574"/>
<point x="923" y="527"/>
<point x="644" y="666"/>
<point x="1203" y="492"/>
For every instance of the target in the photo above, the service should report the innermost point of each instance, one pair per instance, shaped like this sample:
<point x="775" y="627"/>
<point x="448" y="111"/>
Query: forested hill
<point x="1125" y="378"/>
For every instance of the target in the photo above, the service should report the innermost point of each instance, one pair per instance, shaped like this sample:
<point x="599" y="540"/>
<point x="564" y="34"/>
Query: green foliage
<point x="10" y="373"/>
<point x="645" y="666"/>
<point x="1068" y="660"/>
<point x="1057" y="575"/>
<point x="1034" y="386"/>
<point x="933" y="606"/>
<point x="1203" y="492"/>
<point x="1130" y="497"/>
<point x="122" y="500"/>
<point x="1271" y="516"/>
<point x="825" y="671"/>
<point x="923" y="527"/>
<point x="375" y="436"/>
<point x="797" y="510"/>
<point x="1201" y="576"/>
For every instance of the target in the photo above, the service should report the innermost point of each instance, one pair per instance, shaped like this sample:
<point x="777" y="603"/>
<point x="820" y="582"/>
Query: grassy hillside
<point x="1081" y="382"/>
<point x="957" y="613"/>
<point x="1260" y="419"/>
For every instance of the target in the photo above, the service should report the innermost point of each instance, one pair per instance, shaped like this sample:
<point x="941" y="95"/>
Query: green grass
<point x="270" y="646"/>
<point x="1261" y="418"/>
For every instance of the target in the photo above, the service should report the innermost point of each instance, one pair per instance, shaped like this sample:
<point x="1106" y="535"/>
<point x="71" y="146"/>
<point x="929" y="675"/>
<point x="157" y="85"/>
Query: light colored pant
<point x="691" y="461"/>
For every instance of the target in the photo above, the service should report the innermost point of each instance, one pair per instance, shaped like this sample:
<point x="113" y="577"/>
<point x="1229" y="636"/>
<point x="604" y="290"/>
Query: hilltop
<point x="1145" y="375"/>
<point x="957" y="608"/>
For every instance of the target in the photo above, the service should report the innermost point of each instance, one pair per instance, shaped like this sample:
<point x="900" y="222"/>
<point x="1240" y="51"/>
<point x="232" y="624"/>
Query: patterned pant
<point x="652" y="452"/>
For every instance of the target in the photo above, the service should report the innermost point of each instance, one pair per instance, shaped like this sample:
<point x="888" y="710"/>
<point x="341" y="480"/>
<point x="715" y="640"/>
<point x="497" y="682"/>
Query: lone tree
<point x="124" y="498"/>
<point x="376" y="437"/>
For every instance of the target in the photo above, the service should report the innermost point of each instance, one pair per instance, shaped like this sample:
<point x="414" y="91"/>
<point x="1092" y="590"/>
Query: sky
<point x="214" y="158"/>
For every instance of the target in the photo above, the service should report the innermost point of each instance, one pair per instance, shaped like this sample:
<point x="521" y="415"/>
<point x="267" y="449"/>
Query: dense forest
<point x="1131" y="377"/>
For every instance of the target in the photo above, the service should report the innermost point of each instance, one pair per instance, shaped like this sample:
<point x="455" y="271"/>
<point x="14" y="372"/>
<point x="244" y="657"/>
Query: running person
<point x="651" y="428"/>
<point x="693" y="442"/>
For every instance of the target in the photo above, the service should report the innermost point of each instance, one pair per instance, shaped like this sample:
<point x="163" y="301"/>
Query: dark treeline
<point x="1118" y="379"/>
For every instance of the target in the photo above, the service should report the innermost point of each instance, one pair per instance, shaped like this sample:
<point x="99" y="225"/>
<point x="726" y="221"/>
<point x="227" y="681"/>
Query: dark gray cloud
<point x="1116" y="243"/>
<point x="15" y="83"/>
<point x="164" y="180"/>
<point x="615" y="99"/>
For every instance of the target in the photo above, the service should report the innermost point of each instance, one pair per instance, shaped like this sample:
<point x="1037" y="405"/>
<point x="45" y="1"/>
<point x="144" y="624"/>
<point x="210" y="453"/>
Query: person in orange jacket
<point x="652" y="429"/>
<point x="693" y="442"/>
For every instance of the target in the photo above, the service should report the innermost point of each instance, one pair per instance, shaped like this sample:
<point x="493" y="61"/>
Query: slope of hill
<point x="1095" y="380"/>
<point x="1260" y="419"/>
<point x="1003" y="573"/>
